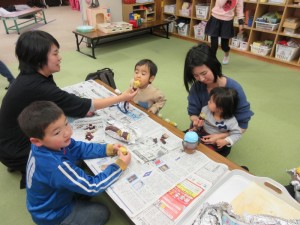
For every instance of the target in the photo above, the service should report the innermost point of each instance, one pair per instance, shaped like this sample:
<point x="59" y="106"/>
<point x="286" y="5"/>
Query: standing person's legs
<point x="214" y="45"/>
<point x="6" y="72"/>
<point x="225" y="47"/>
<point x="85" y="212"/>
<point x="212" y="29"/>
<point x="226" y="32"/>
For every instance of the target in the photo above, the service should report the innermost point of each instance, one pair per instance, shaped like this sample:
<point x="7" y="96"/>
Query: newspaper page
<point x="162" y="183"/>
<point x="174" y="204"/>
<point x="199" y="172"/>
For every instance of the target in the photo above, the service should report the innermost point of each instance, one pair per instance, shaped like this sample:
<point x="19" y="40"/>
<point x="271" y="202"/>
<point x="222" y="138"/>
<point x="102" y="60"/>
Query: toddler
<point x="218" y="117"/>
<point x="148" y="97"/>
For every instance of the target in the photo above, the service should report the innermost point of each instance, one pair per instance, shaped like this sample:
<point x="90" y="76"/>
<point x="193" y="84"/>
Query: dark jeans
<point x="222" y="151"/>
<point x="87" y="213"/>
<point x="4" y="71"/>
<point x="290" y="189"/>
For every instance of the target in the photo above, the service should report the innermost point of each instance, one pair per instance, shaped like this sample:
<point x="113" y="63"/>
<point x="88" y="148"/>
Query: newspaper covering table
<point x="159" y="171"/>
<point x="162" y="184"/>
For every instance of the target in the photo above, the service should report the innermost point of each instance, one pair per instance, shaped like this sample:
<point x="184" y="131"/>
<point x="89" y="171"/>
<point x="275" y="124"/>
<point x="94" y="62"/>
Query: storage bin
<point x="170" y="9"/>
<point x="143" y="1"/>
<point x="239" y="44"/>
<point x="286" y="53"/>
<point x="277" y="1"/>
<point x="183" y="30"/>
<point x="235" y="43"/>
<point x="262" y="50"/>
<point x="243" y="45"/>
<point x="199" y="31"/>
<point x="202" y="11"/>
<point x="185" y="12"/>
<point x="266" y="26"/>
<point x="172" y="24"/>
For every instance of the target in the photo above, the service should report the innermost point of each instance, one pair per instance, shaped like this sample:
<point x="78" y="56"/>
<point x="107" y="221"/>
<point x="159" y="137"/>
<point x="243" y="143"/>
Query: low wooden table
<point x="93" y="38"/>
<point x="15" y="16"/>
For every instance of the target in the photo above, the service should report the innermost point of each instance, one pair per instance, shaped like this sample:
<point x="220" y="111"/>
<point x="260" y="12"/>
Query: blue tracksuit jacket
<point x="53" y="179"/>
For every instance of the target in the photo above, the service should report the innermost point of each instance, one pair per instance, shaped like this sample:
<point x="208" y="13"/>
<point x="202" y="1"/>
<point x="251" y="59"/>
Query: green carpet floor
<point x="269" y="146"/>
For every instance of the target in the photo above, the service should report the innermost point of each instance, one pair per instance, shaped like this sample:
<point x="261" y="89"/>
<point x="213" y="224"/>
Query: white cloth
<point x="22" y="7"/>
<point x="3" y="12"/>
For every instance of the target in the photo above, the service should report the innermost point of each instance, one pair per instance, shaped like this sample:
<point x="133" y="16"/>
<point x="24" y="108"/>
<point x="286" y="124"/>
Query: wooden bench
<point x="18" y="25"/>
<point x="92" y="39"/>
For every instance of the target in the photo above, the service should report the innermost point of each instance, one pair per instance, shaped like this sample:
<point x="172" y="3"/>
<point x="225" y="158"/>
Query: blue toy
<point x="190" y="142"/>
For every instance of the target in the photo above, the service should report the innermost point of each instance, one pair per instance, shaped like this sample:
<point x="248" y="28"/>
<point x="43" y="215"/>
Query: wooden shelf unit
<point x="148" y="14"/>
<point x="287" y="9"/>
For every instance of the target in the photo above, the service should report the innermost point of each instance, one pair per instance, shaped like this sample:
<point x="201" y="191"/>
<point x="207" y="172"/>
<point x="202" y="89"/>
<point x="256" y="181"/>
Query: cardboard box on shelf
<point x="292" y="31"/>
<point x="114" y="27"/>
<point x="292" y="23"/>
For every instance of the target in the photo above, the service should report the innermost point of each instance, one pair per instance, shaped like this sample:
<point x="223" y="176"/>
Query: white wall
<point x="114" y="5"/>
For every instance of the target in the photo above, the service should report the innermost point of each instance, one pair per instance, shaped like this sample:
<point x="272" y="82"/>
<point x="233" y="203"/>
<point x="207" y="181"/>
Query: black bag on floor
<point x="106" y="75"/>
<point x="53" y="2"/>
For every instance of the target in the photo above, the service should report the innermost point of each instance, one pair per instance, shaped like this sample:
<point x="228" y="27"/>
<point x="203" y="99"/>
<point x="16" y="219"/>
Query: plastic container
<point x="185" y="12"/>
<point x="243" y="45"/>
<point x="276" y="1"/>
<point x="286" y="53"/>
<point x="266" y="26"/>
<point x="85" y="29"/>
<point x="169" y="9"/>
<point x="262" y="50"/>
<point x="172" y="26"/>
<point x="202" y="11"/>
<point x="190" y="142"/>
<point x="184" y="30"/>
<point x="239" y="44"/>
<point x="199" y="31"/>
<point x="235" y="43"/>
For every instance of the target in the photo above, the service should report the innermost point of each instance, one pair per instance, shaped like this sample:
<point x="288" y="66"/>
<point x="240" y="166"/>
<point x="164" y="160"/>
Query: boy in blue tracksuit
<point x="52" y="175"/>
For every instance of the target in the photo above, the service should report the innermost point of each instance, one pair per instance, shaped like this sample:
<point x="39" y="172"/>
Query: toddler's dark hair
<point x="226" y="99"/>
<point x="151" y="65"/>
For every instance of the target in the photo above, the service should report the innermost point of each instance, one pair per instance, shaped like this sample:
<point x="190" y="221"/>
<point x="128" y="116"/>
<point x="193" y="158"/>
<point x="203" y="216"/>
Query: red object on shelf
<point x="129" y="1"/>
<point x="75" y="4"/>
<point x="283" y="42"/>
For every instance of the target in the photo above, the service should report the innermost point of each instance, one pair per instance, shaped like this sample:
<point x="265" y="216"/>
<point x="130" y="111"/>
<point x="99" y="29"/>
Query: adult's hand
<point x="128" y="94"/>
